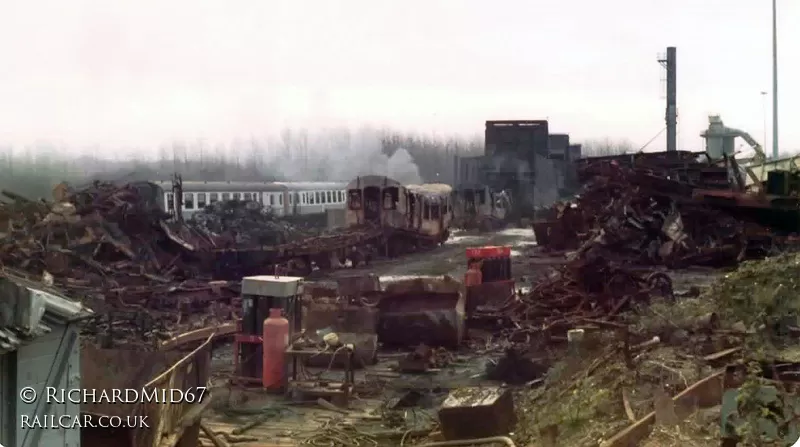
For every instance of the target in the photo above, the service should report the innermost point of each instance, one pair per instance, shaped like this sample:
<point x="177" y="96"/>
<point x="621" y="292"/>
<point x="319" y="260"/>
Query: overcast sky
<point x="145" y="72"/>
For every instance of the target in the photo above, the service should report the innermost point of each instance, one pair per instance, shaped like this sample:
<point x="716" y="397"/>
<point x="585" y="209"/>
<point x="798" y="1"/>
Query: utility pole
<point x="764" y="107"/>
<point x="774" y="79"/>
<point x="669" y="63"/>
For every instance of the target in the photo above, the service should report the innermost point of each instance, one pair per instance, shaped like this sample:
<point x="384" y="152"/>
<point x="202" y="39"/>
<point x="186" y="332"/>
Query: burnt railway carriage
<point x="413" y="214"/>
<point x="478" y="206"/>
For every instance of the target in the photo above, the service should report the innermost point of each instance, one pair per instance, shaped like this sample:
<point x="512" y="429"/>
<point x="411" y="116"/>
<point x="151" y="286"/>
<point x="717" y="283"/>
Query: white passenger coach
<point x="280" y="198"/>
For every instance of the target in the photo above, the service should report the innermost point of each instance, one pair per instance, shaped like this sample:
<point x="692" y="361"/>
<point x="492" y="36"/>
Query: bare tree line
<point x="295" y="154"/>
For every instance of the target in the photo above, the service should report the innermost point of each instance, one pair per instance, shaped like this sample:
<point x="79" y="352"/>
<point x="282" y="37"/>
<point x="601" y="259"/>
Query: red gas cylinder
<point x="275" y="342"/>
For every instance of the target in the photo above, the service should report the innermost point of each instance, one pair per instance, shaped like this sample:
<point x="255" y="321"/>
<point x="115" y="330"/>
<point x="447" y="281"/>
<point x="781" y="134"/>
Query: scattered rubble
<point x="247" y="224"/>
<point x="149" y="278"/>
<point x="643" y="213"/>
<point x="604" y="350"/>
<point x="111" y="247"/>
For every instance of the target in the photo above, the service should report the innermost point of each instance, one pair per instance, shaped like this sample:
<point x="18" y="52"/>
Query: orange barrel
<point x="275" y="342"/>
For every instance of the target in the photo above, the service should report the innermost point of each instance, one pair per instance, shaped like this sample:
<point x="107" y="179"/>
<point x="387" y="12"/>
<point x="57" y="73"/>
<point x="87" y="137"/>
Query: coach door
<point x="372" y="204"/>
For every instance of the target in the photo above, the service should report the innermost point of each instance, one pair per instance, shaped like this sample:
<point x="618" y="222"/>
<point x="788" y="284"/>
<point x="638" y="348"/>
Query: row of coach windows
<point x="321" y="197"/>
<point x="199" y="200"/>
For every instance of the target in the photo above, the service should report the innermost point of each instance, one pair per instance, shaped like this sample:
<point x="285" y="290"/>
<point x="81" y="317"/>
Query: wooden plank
<point x="222" y="330"/>
<point x="704" y="393"/>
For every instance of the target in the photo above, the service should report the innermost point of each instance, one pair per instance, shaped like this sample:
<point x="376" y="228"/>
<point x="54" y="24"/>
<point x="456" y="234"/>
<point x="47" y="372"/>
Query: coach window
<point x="237" y="196"/>
<point x="247" y="196"/>
<point x="436" y="210"/>
<point x="426" y="210"/>
<point x="201" y="200"/>
<point x="330" y="197"/>
<point x="271" y="199"/>
<point x="170" y="201"/>
<point x="213" y="197"/>
<point x="390" y="198"/>
<point x="481" y="197"/>
<point x="290" y="199"/>
<point x="280" y="199"/>
<point x="226" y="196"/>
<point x="188" y="200"/>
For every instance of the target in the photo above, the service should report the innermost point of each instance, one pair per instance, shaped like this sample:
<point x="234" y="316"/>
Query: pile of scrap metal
<point x="590" y="287"/>
<point x="110" y="247"/>
<point x="640" y="210"/>
<point x="245" y="223"/>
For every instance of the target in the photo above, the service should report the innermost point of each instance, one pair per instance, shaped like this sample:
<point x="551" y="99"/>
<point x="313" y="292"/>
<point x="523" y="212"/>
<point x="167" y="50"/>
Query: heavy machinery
<point x="720" y="141"/>
<point x="774" y="185"/>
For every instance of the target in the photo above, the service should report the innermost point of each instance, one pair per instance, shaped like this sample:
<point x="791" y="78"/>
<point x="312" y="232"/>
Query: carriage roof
<point x="200" y="186"/>
<point x="430" y="190"/>
<point x="365" y="181"/>
<point x="313" y="186"/>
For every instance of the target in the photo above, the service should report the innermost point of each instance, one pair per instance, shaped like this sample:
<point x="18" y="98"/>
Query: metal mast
<point x="672" y="98"/>
<point x="774" y="79"/>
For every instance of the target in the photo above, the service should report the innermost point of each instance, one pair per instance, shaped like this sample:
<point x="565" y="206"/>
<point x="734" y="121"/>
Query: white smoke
<point x="342" y="155"/>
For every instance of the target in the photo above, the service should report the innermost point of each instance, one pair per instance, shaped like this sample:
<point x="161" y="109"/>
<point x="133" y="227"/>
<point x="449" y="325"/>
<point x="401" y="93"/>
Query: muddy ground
<point x="369" y="419"/>
<point x="450" y="258"/>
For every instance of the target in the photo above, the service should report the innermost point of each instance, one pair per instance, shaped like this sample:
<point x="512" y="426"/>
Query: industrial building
<point x="524" y="158"/>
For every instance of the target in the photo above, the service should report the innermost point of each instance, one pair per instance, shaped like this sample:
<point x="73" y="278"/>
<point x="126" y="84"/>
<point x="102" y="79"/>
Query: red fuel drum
<point x="275" y="342"/>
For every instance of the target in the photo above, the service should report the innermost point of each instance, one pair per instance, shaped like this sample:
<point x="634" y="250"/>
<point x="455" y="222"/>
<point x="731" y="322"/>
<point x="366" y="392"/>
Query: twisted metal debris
<point x="640" y="210"/>
<point x="146" y="278"/>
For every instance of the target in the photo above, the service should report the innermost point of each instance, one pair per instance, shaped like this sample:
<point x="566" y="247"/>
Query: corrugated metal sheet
<point x="24" y="305"/>
<point x="11" y="338"/>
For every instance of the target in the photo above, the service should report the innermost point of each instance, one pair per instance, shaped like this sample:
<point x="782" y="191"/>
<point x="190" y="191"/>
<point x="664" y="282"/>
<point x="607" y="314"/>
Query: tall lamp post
<point x="764" y="113"/>
<point x="774" y="79"/>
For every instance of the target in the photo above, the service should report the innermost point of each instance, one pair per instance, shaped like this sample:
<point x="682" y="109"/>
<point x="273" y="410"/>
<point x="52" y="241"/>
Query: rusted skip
<point x="703" y="394"/>
<point x="429" y="311"/>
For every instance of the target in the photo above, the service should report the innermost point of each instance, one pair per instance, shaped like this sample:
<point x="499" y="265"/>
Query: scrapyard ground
<point x="290" y="423"/>
<point x="583" y="397"/>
